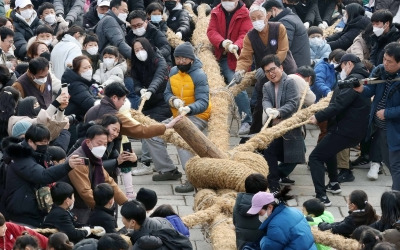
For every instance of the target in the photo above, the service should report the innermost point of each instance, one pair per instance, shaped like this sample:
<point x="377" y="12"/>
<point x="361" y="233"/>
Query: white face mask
<point x="71" y="206"/>
<point x="50" y="19"/>
<point x="87" y="74"/>
<point x="228" y="6"/>
<point x="344" y="18"/>
<point x="7" y="7"/>
<point x="40" y="81"/>
<point x="98" y="151"/>
<point x="262" y="218"/>
<point x="47" y="42"/>
<point x="139" y="31"/>
<point x="122" y="16"/>
<point x="343" y="74"/>
<point x="378" y="31"/>
<point x="109" y="63"/>
<point x="141" y="55"/>
<point x="334" y="64"/>
<point x="316" y="41"/>
<point x="93" y="50"/>
<point x="259" y="25"/>
<point x="100" y="15"/>
<point x="27" y="13"/>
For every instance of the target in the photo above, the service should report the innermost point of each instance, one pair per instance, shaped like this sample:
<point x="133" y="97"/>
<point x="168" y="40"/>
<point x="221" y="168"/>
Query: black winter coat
<point x="156" y="38"/>
<point x="326" y="9"/>
<point x="308" y="11"/>
<point x="343" y="40"/>
<point x="81" y="98"/>
<point x="348" y="110"/>
<point x="63" y="221"/>
<point x="90" y="19"/>
<point x="180" y="21"/>
<point x="379" y="43"/>
<point x="24" y="177"/>
<point x="23" y="32"/>
<point x="162" y="26"/>
<point x="103" y="217"/>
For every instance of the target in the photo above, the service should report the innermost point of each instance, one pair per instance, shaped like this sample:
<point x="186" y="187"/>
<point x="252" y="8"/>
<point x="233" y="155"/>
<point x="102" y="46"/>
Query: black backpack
<point x="171" y="238"/>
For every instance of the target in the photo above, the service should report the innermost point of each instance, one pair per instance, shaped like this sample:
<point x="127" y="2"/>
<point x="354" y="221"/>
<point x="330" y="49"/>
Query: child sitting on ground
<point x="319" y="49"/>
<point x="103" y="213"/>
<point x="59" y="241"/>
<point x="360" y="213"/>
<point x="315" y="213"/>
<point x="26" y="242"/>
<point x="60" y="216"/>
<point x="148" y="198"/>
<point x="166" y="211"/>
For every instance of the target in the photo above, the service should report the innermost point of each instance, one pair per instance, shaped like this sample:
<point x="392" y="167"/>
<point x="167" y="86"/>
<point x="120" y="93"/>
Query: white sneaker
<point x="373" y="171"/>
<point x="142" y="170"/>
<point x="244" y="129"/>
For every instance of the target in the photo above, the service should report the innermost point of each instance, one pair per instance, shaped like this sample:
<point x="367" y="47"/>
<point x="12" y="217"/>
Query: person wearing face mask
<point x="47" y="14"/>
<point x="319" y="49"/>
<point x="155" y="12"/>
<point x="36" y="82"/>
<point x="69" y="47"/>
<point x="384" y="32"/>
<point x="347" y="116"/>
<point x="91" y="50"/>
<point x="284" y="227"/>
<point x="111" y="29"/>
<point x="7" y="40"/>
<point x="228" y="25"/>
<point x="97" y="11"/>
<point x="25" y="23"/>
<point x="71" y="11"/>
<point x="112" y="69"/>
<point x="355" y="22"/>
<point x="26" y="174"/>
<point x="84" y="179"/>
<point x="60" y="216"/>
<point x="296" y="32"/>
<point x="179" y="20"/>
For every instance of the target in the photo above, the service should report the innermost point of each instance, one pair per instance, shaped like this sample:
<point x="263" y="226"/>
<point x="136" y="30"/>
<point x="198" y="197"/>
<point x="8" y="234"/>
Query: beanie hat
<point x="185" y="50"/>
<point x="20" y="128"/>
<point x="147" y="197"/>
<point x="315" y="29"/>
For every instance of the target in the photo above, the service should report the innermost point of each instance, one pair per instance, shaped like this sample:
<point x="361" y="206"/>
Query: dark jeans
<point x="325" y="152"/>
<point x="132" y="97"/>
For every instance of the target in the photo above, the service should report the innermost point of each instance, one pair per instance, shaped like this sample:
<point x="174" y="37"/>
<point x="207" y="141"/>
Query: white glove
<point x="238" y="76"/>
<point x="233" y="47"/>
<point x="101" y="233"/>
<point x="178" y="103"/>
<point x="179" y="34"/>
<point x="63" y="24"/>
<point x="338" y="29"/>
<point x="147" y="95"/>
<point x="142" y="91"/>
<point x="321" y="26"/>
<point x="325" y="24"/>
<point x="226" y="43"/>
<point x="185" y="110"/>
<point x="273" y="113"/>
<point x="307" y="25"/>
<point x="87" y="230"/>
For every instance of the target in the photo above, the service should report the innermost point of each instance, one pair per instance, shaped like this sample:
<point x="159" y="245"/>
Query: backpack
<point x="170" y="238"/>
<point x="43" y="198"/>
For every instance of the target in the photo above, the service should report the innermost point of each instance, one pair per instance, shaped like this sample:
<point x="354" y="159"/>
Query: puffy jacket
<point x="180" y="21"/>
<point x="24" y="177"/>
<point x="359" y="48"/>
<point x="297" y="36"/>
<point x="23" y="32"/>
<point x="379" y="43"/>
<point x="177" y="223"/>
<point x="246" y="225"/>
<point x="343" y="40"/>
<point x="63" y="53"/>
<point x="326" y="9"/>
<point x="90" y="18"/>
<point x="72" y="10"/>
<point x="192" y="88"/>
<point x="238" y="27"/>
<point x="392" y="111"/>
<point x="81" y="98"/>
<point x="14" y="231"/>
<point x="318" y="53"/>
<point x="104" y="217"/>
<point x="308" y="11"/>
<point x="314" y="221"/>
<point x="286" y="228"/>
<point x="325" y="79"/>
<point x="112" y="31"/>
<point x="105" y="77"/>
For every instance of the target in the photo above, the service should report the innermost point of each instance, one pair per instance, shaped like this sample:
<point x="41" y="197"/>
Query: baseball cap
<point x="259" y="200"/>
<point x="22" y="3"/>
<point x="347" y="58"/>
<point x="103" y="3"/>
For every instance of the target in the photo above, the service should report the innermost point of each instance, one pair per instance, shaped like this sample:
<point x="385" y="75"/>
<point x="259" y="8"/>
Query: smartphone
<point x="85" y="160"/>
<point x="64" y="88"/>
<point x="127" y="147"/>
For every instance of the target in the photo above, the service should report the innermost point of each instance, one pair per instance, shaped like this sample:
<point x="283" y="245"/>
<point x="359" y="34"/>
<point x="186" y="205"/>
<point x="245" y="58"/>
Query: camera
<point x="72" y="119"/>
<point x="349" y="83"/>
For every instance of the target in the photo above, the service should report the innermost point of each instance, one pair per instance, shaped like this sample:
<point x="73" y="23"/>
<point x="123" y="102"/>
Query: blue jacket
<point x="392" y="110"/>
<point x="321" y="52"/>
<point x="177" y="222"/>
<point x="325" y="79"/>
<point x="286" y="228"/>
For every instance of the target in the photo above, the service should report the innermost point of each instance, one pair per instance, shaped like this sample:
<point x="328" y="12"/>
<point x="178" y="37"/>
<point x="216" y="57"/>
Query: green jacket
<point x="325" y="217"/>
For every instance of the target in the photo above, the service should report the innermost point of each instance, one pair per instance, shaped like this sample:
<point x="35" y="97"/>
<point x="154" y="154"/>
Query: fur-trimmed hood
<point x="19" y="150"/>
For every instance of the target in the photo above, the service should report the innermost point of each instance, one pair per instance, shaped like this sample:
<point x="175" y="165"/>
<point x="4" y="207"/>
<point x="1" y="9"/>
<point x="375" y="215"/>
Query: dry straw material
<point x="331" y="29"/>
<point x="173" y="39"/>
<point x="222" y="233"/>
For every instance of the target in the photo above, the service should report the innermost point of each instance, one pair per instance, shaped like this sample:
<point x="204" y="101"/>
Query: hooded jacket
<point x="325" y="79"/>
<point x="24" y="177"/>
<point x="63" y="53"/>
<point x="379" y="43"/>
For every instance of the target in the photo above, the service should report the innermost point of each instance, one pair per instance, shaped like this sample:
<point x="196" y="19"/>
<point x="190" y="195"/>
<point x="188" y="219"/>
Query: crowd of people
<point x="71" y="71"/>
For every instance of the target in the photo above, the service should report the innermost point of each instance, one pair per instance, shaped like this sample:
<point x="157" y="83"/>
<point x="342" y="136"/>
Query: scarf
<point x="98" y="174"/>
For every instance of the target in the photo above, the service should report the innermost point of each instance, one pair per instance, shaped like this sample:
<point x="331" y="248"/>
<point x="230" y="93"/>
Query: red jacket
<point x="238" y="27"/>
<point x="12" y="233"/>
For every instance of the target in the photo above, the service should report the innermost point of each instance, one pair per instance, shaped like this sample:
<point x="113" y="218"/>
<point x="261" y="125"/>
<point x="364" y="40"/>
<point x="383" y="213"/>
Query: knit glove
<point x="184" y="110"/>
<point x="100" y="231"/>
<point x="321" y="26"/>
<point x="179" y="34"/>
<point x="260" y="74"/>
<point x="87" y="229"/>
<point x="178" y="103"/>
<point x="238" y="76"/>
<point x="273" y="113"/>
<point x="226" y="43"/>
<point x="307" y="25"/>
<point x="309" y="218"/>
<point x="323" y="226"/>
<point x="142" y="91"/>
<point x="233" y="47"/>
<point x="63" y="24"/>
<point x="325" y="24"/>
<point x="145" y="94"/>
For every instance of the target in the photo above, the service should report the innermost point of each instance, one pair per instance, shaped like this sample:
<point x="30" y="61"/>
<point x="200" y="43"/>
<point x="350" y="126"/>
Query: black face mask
<point x="46" y="55"/>
<point x="41" y="149"/>
<point x="184" y="68"/>
<point x="169" y="5"/>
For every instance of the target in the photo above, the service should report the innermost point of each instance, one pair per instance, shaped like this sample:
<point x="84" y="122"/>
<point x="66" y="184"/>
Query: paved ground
<point x="303" y="188"/>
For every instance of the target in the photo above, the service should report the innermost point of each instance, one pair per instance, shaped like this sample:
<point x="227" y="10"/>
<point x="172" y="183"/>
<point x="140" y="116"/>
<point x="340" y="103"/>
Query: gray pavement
<point x="303" y="188"/>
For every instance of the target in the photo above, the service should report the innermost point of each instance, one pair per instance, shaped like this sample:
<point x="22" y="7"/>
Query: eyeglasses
<point x="270" y="70"/>
<point x="181" y="59"/>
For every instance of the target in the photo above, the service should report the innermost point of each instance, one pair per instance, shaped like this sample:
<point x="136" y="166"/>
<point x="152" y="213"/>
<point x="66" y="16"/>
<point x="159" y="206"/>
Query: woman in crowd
<point x="390" y="206"/>
<point x="36" y="49"/>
